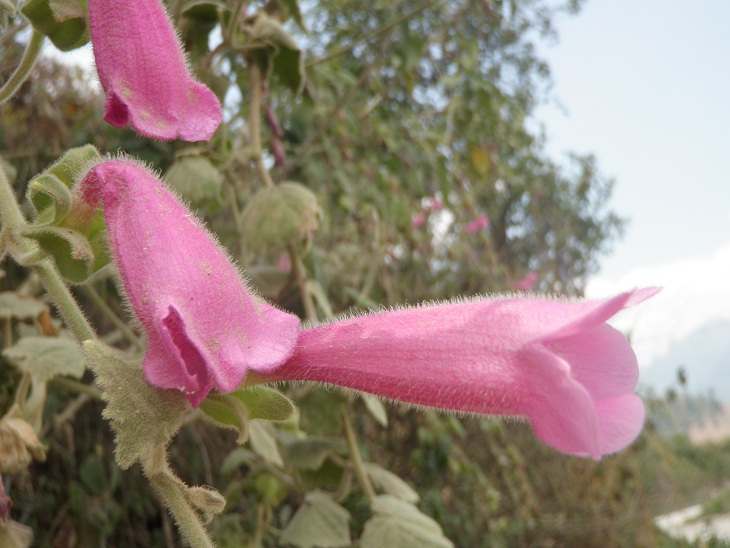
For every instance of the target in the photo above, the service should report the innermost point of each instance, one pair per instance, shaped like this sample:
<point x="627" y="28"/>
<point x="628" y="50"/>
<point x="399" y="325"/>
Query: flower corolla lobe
<point x="204" y="328"/>
<point x="143" y="71"/>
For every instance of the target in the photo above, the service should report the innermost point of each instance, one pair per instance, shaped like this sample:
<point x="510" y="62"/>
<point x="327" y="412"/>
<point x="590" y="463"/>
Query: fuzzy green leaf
<point x="265" y="403"/>
<point x="399" y="523"/>
<point x="22" y="308"/>
<point x="320" y="521"/>
<point x="46" y="190"/>
<point x="66" y="34"/>
<point x="46" y="357"/>
<point x="390" y="483"/>
<point x="227" y="411"/>
<point x="284" y="58"/>
<point x="376" y="408"/>
<point x="263" y="442"/>
<point x="143" y="417"/>
<point x="308" y="453"/>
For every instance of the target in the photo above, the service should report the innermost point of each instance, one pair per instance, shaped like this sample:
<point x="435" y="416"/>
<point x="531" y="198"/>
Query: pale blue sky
<point x="646" y="87"/>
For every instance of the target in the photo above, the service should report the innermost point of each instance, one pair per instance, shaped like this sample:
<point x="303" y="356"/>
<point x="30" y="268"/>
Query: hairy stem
<point x="300" y="273"/>
<point x="355" y="458"/>
<point x="21" y="73"/>
<point x="112" y="317"/>
<point x="254" y="121"/>
<point x="169" y="489"/>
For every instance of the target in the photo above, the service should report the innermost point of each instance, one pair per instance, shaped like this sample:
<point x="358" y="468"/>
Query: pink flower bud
<point x="555" y="362"/>
<point x="477" y="224"/>
<point x="204" y="328"/>
<point x="143" y="72"/>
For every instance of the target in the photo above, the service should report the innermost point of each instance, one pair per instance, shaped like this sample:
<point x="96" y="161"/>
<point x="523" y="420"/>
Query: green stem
<point x="169" y="489"/>
<point x="21" y="73"/>
<point x="254" y="122"/>
<point x="76" y="386"/>
<point x="300" y="273"/>
<point x="12" y="220"/>
<point x="234" y="22"/>
<point x="112" y="316"/>
<point x="355" y="458"/>
<point x="65" y="303"/>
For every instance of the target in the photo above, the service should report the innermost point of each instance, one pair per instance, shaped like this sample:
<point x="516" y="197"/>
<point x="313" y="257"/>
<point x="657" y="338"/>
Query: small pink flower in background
<point x="526" y="283"/>
<point x="204" y="328"/>
<point x="283" y="264"/>
<point x="555" y="362"/>
<point x="419" y="220"/>
<point x="434" y="205"/>
<point x="143" y="71"/>
<point x="477" y="224"/>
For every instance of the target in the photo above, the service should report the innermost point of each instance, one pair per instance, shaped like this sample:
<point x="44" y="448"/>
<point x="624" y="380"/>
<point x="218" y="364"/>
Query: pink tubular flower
<point x="204" y="328"/>
<point x="554" y="362"/>
<point x="143" y="72"/>
<point x="477" y="224"/>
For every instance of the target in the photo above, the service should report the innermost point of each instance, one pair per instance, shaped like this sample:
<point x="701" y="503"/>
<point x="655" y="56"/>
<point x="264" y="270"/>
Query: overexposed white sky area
<point x="645" y="85"/>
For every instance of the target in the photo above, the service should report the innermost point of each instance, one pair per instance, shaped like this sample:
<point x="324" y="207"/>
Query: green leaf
<point x="308" y="453"/>
<point x="195" y="178"/>
<point x="291" y="9"/>
<point x="13" y="305"/>
<point x="320" y="521"/>
<point x="279" y="216"/>
<point x="390" y="483"/>
<point x="46" y="190"/>
<point x="63" y="10"/>
<point x="143" y="417"/>
<point x="320" y="410"/>
<point x="93" y="475"/>
<point x="46" y="357"/>
<point x="263" y="402"/>
<point x="399" y="523"/>
<point x="376" y="408"/>
<point x="227" y="411"/>
<point x="263" y="442"/>
<point x="238" y="457"/>
<point x="65" y="33"/>
<point x="284" y="57"/>
<point x="15" y="535"/>
<point x="71" y="250"/>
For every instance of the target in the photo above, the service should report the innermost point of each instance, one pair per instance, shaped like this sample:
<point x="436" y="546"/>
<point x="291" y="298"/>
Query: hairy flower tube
<point x="204" y="328"/>
<point x="555" y="362"/>
<point x="143" y="71"/>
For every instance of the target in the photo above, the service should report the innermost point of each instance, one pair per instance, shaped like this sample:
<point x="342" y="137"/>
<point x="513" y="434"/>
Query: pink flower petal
<point x="555" y="362"/>
<point x="143" y="72"/>
<point x="204" y="327"/>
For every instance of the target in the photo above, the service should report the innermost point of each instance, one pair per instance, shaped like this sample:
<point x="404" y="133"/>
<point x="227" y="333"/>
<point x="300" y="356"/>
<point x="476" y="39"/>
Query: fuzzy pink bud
<point x="143" y="71"/>
<point x="555" y="362"/>
<point x="204" y="328"/>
